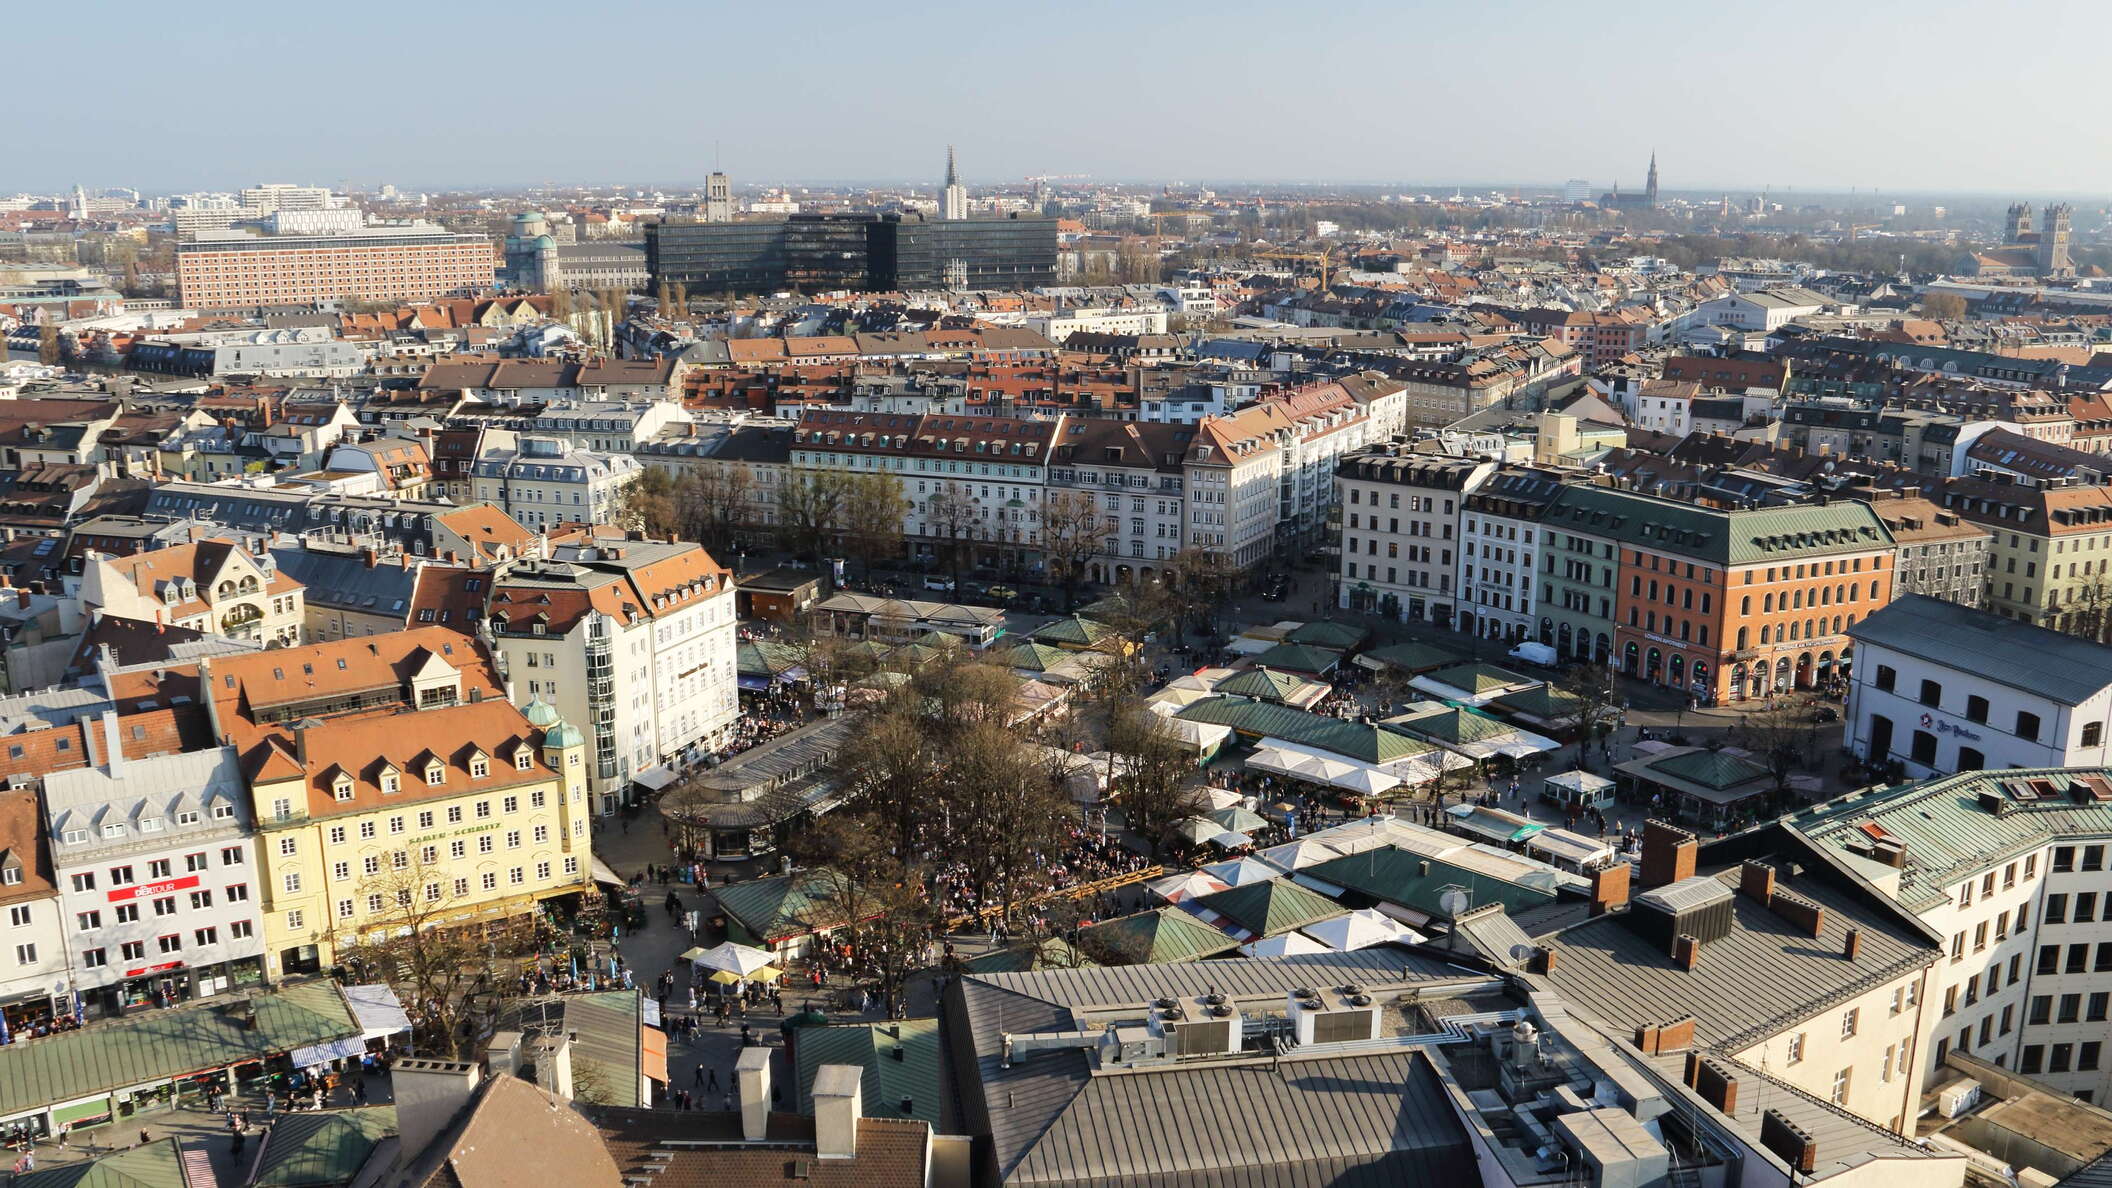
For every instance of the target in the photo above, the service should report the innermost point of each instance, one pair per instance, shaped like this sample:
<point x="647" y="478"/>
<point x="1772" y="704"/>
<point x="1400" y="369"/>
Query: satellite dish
<point x="1521" y="953"/>
<point x="1454" y="901"/>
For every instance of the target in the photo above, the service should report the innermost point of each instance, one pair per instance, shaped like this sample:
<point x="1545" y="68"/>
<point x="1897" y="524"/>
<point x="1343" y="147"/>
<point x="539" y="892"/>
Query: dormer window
<point x="341" y="787"/>
<point x="435" y="774"/>
<point x="391" y="782"/>
<point x="150" y="825"/>
<point x="479" y="766"/>
<point x="11" y="876"/>
<point x="523" y="757"/>
<point x="74" y="837"/>
<point x="113" y="831"/>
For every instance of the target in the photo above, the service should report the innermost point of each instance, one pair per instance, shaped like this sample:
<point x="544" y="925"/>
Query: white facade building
<point x="632" y="639"/>
<point x="548" y="481"/>
<point x="1499" y="538"/>
<point x="1400" y="539"/>
<point x="1942" y="688"/>
<point x="156" y="869"/>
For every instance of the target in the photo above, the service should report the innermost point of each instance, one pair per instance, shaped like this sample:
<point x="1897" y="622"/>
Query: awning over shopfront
<point x="376" y="1010"/>
<point x="656" y="778"/>
<point x="605" y="876"/>
<point x="351" y="1045"/>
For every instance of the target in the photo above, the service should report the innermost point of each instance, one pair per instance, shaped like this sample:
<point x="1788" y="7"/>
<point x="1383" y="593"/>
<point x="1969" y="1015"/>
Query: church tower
<point x="953" y="201"/>
<point x="2052" y="248"/>
<point x="1650" y="186"/>
<point x="2018" y="225"/>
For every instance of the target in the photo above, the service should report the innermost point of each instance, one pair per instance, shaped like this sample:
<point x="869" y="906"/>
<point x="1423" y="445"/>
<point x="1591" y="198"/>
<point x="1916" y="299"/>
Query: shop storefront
<point x="28" y="1010"/>
<point x="169" y="983"/>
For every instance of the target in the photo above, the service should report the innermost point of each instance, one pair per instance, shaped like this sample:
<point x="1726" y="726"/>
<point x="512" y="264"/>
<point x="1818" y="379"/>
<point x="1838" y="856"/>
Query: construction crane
<point x="1325" y="258"/>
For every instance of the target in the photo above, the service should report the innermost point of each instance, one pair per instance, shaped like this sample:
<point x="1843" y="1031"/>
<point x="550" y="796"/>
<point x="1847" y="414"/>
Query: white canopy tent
<point x="1238" y="872"/>
<point x="1303" y="852"/>
<point x="1361" y="930"/>
<point x="1316" y="766"/>
<point x="1286" y="944"/>
<point x="738" y="960"/>
<point x="1187" y="885"/>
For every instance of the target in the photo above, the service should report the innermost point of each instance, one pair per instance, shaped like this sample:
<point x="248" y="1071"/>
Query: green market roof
<point x="158" y="1164"/>
<point x="1416" y="882"/>
<point x="1049" y="953"/>
<point x="1414" y="657"/>
<point x="1323" y="633"/>
<point x="1478" y="678"/>
<point x="1029" y="656"/>
<point x="161" y="1045"/>
<point x="1074" y="631"/>
<point x="887" y="1081"/>
<point x="1456" y="725"/>
<point x="781" y="906"/>
<point x="1297" y="658"/>
<point x="1544" y="702"/>
<point x="767" y="658"/>
<point x="1711" y="769"/>
<point x="1155" y="938"/>
<point x="1262" y="684"/>
<point x="310" y="1150"/>
<point x="1265" y="719"/>
<point x="1266" y="909"/>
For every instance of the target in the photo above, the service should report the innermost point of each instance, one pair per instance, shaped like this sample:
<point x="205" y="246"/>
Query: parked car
<point x="1002" y="593"/>
<point x="1825" y="713"/>
<point x="939" y="582"/>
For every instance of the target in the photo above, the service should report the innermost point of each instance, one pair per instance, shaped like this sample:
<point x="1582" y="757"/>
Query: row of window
<point x="222" y="811"/>
<point x="160" y="868"/>
<point x="170" y="943"/>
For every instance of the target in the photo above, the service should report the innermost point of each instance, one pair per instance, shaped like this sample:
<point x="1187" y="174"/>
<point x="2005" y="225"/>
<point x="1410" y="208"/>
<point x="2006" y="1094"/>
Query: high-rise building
<point x="816" y="253"/>
<point x="281" y="196"/>
<point x="389" y="262"/>
<point x="953" y="203"/>
<point x="718" y="198"/>
<point x="1576" y="189"/>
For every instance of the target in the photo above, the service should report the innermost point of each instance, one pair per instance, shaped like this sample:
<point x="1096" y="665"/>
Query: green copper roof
<point x="1415" y="657"/>
<point x="1719" y="536"/>
<point x="1074" y="631"/>
<point x="1261" y="684"/>
<point x="1266" y="909"/>
<point x="1454" y="726"/>
<point x="1154" y="938"/>
<point x="1711" y="769"/>
<point x="1266" y="719"/>
<point x="887" y="1080"/>
<point x="767" y="658"/>
<point x="1545" y="702"/>
<point x="1298" y="658"/>
<point x="1339" y="637"/>
<point x="780" y="906"/>
<point x="1478" y="678"/>
<point x="158" y="1164"/>
<point x="1416" y="882"/>
<point x="315" y="1150"/>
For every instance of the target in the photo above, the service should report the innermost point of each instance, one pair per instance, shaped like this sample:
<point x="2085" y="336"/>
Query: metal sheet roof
<point x="2062" y="668"/>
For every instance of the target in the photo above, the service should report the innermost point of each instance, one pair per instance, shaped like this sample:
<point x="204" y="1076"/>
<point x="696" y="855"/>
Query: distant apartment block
<point x="410" y="262"/>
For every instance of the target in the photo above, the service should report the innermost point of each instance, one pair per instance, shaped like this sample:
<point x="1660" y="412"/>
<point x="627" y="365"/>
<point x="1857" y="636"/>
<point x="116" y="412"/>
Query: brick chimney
<point x="1853" y="945"/>
<point x="1543" y="960"/>
<point x="1809" y="917"/>
<point x="1788" y="1141"/>
<point x="1609" y="887"/>
<point x="1756" y="880"/>
<point x="1686" y="951"/>
<point x="1717" y="1086"/>
<point x="1668" y="853"/>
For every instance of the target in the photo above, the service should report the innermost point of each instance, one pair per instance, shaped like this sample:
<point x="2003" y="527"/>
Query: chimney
<point x="113" y="746"/>
<point x="1756" y="880"/>
<point x="22" y="599"/>
<point x="751" y="1080"/>
<point x="837" y="1108"/>
<point x="1797" y="910"/>
<point x="502" y="1054"/>
<point x="1543" y="961"/>
<point x="369" y="557"/>
<point x="1686" y="951"/>
<point x="1668" y="853"/>
<point x="429" y="1094"/>
<point x="1609" y="888"/>
<point x="1853" y="945"/>
<point x="1717" y="1086"/>
<point x="1676" y="1036"/>
<point x="553" y="1065"/>
<point x="1788" y="1141"/>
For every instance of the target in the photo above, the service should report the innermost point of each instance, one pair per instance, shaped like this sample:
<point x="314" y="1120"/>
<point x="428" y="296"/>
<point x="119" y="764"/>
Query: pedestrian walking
<point x="711" y="1080"/>
<point x="699" y="1078"/>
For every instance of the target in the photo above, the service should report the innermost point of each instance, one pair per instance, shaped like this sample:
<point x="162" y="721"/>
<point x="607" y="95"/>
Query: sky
<point x="1941" y="96"/>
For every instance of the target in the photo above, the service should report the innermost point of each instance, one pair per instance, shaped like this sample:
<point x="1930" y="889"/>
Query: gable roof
<point x="2064" y="668"/>
<point x="1268" y="907"/>
<point x="1154" y="937"/>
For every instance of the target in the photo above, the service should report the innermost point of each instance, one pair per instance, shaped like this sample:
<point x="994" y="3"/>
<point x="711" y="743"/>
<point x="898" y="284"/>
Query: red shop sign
<point x="150" y="890"/>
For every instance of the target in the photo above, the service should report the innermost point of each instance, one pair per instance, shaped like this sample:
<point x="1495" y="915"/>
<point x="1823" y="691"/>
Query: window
<point x="95" y="959"/>
<point x="126" y="913"/>
<point x="491" y="880"/>
<point x="2085" y="906"/>
<point x="457" y="848"/>
<point x="2027" y="726"/>
<point x="292" y="882"/>
<point x="2056" y="910"/>
<point x="294" y="919"/>
<point x="396" y="824"/>
<point x="288" y="847"/>
<point x="2034" y="1059"/>
<point x="513" y="839"/>
<point x="84" y="882"/>
<point x="344" y="909"/>
<point x="542" y="870"/>
<point x="201" y="899"/>
<point x="2049" y="959"/>
<point x="2071" y="1009"/>
<point x="483" y="809"/>
<point x="1976" y="708"/>
<point x="337" y="835"/>
<point x="2093" y="734"/>
<point x="425" y="819"/>
<point x="572" y="864"/>
<point x="2099" y="1002"/>
<point x="165" y="906"/>
<point x="2087" y="1056"/>
<point x="542" y="834"/>
<point x="2078" y="958"/>
<point x="1796" y="1048"/>
<point x="239" y="930"/>
<point x="1850" y="1018"/>
<point x="2041" y="1010"/>
<point x="238" y="892"/>
<point x="205" y="936"/>
<point x="1887" y="678"/>
<point x="2093" y="857"/>
<point x="517" y="876"/>
<point x="1840" y="1087"/>
<point x="2058" y="1058"/>
<point x="195" y="862"/>
<point x="132" y="950"/>
<point x="84" y="921"/>
<point x="367" y="831"/>
<point x="159" y="869"/>
<point x="484" y="844"/>
<point x="1931" y="693"/>
<point x="172" y="943"/>
<point x="454" y="814"/>
<point x="461" y="888"/>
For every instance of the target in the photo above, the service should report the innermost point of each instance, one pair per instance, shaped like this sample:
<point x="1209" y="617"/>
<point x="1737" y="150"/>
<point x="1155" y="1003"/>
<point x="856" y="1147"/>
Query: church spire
<point x="1650" y="186"/>
<point x="953" y="178"/>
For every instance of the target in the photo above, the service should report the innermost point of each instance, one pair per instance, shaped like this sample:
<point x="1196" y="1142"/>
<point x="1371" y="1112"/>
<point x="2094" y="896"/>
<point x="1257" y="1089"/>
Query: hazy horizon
<point x="1803" y="98"/>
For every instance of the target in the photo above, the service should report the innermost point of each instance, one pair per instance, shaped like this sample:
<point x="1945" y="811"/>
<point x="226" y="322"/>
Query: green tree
<point x="653" y="504"/>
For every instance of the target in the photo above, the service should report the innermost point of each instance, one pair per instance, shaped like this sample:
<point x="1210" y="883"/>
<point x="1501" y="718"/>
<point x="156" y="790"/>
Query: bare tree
<point x="716" y="506"/>
<point x="1154" y="779"/>
<point x="811" y="508"/>
<point x="875" y="510"/>
<point x="652" y="503"/>
<point x="951" y="518"/>
<point x="407" y="936"/>
<point x="1197" y="584"/>
<point x="1599" y="705"/>
<point x="867" y="896"/>
<point x="893" y="772"/>
<point x="1005" y="814"/>
<point x="1781" y="740"/>
<point x="1071" y="532"/>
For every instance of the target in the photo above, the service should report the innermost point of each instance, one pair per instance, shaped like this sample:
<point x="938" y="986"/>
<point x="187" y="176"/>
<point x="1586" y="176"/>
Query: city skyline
<point x="1115" y="110"/>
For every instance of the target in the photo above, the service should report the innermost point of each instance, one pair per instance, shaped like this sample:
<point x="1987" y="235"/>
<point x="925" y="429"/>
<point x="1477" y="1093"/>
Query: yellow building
<point x="396" y="787"/>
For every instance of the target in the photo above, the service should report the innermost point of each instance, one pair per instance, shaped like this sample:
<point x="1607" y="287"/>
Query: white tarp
<point x="1287" y="944"/>
<point x="656" y="778"/>
<point x="1361" y="930"/>
<point x="351" y="1045"/>
<point x="376" y="1010"/>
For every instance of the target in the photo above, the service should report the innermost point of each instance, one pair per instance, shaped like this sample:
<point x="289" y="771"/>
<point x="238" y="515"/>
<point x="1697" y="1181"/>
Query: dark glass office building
<point x="812" y="253"/>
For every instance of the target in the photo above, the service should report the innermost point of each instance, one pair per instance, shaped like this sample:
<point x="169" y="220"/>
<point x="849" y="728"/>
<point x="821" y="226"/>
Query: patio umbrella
<point x="1237" y="819"/>
<point x="1196" y="830"/>
<point x="1366" y="782"/>
<point x="1188" y="885"/>
<point x="1219" y="798"/>
<point x="1298" y="854"/>
<point x="724" y="978"/>
<point x="1238" y="872"/>
<point x="768" y="973"/>
<point x="739" y="960"/>
<point x="1229" y="840"/>
<point x="1361" y="930"/>
<point x="692" y="953"/>
<point x="1287" y="944"/>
